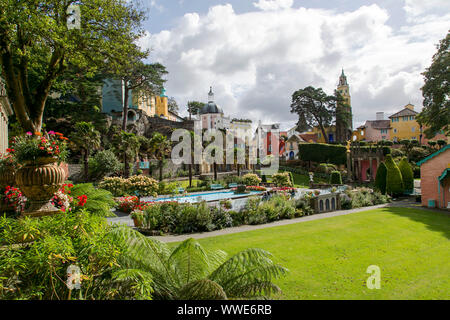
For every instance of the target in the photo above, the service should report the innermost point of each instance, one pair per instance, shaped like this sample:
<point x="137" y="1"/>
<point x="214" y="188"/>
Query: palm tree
<point x="190" y="272"/>
<point x="85" y="138"/>
<point x="160" y="148"/>
<point x="126" y="145"/>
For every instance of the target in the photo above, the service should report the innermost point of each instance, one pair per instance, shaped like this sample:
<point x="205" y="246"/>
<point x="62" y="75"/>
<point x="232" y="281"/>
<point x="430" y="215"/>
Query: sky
<point x="257" y="53"/>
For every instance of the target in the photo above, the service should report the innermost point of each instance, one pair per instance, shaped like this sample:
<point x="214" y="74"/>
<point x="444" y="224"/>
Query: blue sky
<point x="256" y="53"/>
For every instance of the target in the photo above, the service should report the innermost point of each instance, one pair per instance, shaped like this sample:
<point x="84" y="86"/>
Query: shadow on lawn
<point x="435" y="220"/>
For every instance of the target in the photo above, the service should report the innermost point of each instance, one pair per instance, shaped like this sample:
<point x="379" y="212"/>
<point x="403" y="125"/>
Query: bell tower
<point x="344" y="117"/>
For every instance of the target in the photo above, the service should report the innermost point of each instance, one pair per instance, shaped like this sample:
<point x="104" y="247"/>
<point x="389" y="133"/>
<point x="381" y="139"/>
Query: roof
<point x="210" y="107"/>
<point x="379" y="124"/>
<point x="445" y="173"/>
<point x="308" y="137"/>
<point x="404" y="112"/>
<point x="431" y="156"/>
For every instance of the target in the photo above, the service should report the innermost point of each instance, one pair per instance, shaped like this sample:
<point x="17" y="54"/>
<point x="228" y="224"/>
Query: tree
<point x="142" y="79"/>
<point x="407" y="175"/>
<point x="394" y="180"/>
<point x="435" y="114"/>
<point x="380" y="178"/>
<point x="173" y="105"/>
<point x="160" y="148"/>
<point x="126" y="145"/>
<point x="189" y="271"/>
<point x="314" y="108"/>
<point x="194" y="107"/>
<point x="343" y="119"/>
<point x="36" y="45"/>
<point x="441" y="143"/>
<point x="85" y="138"/>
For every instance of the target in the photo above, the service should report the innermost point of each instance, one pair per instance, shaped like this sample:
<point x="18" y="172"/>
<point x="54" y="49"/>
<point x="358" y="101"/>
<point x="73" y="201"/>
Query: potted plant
<point x="40" y="175"/>
<point x="138" y="217"/>
<point x="8" y="166"/>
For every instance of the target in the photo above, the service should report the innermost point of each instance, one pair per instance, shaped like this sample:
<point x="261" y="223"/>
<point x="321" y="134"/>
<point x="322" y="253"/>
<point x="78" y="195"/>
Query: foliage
<point x="362" y="197"/>
<point x="394" y="180"/>
<point x="104" y="163"/>
<point x="53" y="244"/>
<point x="335" y="178"/>
<point x="194" y="107"/>
<point x="13" y="198"/>
<point x="407" y="175"/>
<point x="116" y="185"/>
<point x="435" y="115"/>
<point x="7" y="161"/>
<point x="127" y="204"/>
<point x="314" y="108"/>
<point x="38" y="43"/>
<point x="282" y="179"/>
<point x="380" y="178"/>
<point x="31" y="147"/>
<point x="188" y="271"/>
<point x="251" y="179"/>
<point x="323" y="153"/>
<point x="145" y="186"/>
<point x="99" y="201"/>
<point x="126" y="146"/>
<point x="396" y="153"/>
<point x="173" y="105"/>
<point x="418" y="153"/>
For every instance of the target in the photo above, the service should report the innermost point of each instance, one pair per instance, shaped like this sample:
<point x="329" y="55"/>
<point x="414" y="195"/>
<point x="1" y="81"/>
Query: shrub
<point x="117" y="186"/>
<point x="335" y="178"/>
<point x="418" y="153"/>
<point x="380" y="178"/>
<point x="241" y="189"/>
<point x="144" y="185"/>
<point x="104" y="163"/>
<point x="98" y="201"/>
<point x="326" y="168"/>
<point x="395" y="153"/>
<point x="282" y="179"/>
<point x="323" y="153"/>
<point x="251" y="179"/>
<point x="394" y="180"/>
<point x="407" y="175"/>
<point x="127" y="204"/>
<point x="221" y="219"/>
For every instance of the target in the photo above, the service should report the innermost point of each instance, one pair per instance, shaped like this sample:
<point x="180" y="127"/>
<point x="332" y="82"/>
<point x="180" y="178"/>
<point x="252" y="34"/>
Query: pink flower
<point x="51" y="132"/>
<point x="29" y="133"/>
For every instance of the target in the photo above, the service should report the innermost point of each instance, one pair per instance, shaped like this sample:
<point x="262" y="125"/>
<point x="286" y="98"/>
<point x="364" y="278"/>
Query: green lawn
<point x="302" y="181"/>
<point x="328" y="258"/>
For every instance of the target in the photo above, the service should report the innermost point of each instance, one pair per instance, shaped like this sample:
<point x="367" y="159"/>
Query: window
<point x="405" y="118"/>
<point x="395" y="130"/>
<point x="413" y="129"/>
<point x="383" y="137"/>
<point x="411" y="117"/>
<point x="414" y="138"/>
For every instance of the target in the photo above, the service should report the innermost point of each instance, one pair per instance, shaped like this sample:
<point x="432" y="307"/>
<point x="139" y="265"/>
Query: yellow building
<point x="155" y="106"/>
<point x="330" y="131"/>
<point x="404" y="125"/>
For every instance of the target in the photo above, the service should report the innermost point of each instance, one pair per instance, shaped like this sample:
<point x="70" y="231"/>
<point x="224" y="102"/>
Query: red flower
<point x="82" y="200"/>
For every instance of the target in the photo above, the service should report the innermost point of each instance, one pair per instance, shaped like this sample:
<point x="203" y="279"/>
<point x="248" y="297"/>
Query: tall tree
<point x="86" y="139"/>
<point x="37" y="43"/>
<point x="173" y="105"/>
<point x="314" y="108"/>
<point x="435" y="114"/>
<point x="126" y="145"/>
<point x="140" y="78"/>
<point x="160" y="149"/>
<point x="194" y="107"/>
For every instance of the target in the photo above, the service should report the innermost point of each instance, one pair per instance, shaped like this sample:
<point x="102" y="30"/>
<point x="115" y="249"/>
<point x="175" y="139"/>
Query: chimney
<point x="380" y="115"/>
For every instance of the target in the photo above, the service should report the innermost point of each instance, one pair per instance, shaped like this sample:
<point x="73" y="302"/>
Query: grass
<point x="185" y="183"/>
<point x="302" y="180"/>
<point x="328" y="258"/>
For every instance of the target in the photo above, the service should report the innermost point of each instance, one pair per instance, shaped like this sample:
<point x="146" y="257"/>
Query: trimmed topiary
<point x="394" y="180"/>
<point x="380" y="178"/>
<point x="407" y="175"/>
<point x="335" y="178"/>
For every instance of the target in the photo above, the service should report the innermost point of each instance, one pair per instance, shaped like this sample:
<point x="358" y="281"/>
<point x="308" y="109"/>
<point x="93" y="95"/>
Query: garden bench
<point x="232" y="185"/>
<point x="216" y="187"/>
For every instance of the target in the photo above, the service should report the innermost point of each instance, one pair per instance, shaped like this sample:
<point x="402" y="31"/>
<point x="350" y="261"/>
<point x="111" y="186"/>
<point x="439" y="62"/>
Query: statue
<point x="348" y="146"/>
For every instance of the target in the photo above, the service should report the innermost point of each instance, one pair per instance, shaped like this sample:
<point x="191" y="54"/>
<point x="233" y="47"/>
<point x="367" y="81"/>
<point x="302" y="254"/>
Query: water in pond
<point x="210" y="196"/>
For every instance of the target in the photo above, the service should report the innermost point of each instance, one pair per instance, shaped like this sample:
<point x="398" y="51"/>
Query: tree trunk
<point x="190" y="175"/>
<point x="215" y="171"/>
<point x="125" y="107"/>
<point x="238" y="170"/>
<point x="324" y="134"/>
<point x="126" y="166"/>
<point x="86" y="165"/>
<point x="160" y="170"/>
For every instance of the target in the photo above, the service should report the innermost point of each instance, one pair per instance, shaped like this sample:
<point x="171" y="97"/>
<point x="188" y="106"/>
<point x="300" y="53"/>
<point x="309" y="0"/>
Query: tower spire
<point x="210" y="95"/>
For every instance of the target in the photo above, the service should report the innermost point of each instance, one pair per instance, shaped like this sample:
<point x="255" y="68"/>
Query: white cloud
<point x="256" y="60"/>
<point x="273" y="4"/>
<point x="420" y="7"/>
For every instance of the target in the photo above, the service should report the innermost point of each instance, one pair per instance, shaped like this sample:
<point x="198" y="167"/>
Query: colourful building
<point x="404" y="125"/>
<point x="373" y="130"/>
<point x="344" y="117"/>
<point x="5" y="112"/>
<point x="435" y="179"/>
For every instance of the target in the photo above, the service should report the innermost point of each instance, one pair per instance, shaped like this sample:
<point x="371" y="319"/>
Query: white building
<point x="211" y="115"/>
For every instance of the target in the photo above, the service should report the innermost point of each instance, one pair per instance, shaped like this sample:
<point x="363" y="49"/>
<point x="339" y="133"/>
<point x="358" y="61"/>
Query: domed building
<point x="211" y="115"/>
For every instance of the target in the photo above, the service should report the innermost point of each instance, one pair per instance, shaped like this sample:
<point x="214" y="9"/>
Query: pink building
<point x="376" y="130"/>
<point x="435" y="179"/>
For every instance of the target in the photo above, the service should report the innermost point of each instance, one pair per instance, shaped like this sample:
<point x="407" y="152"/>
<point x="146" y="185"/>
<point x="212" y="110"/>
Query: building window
<point x="414" y="138"/>
<point x="405" y="118"/>
<point x="413" y="129"/>
<point x="395" y="130"/>
<point x="383" y="137"/>
<point x="411" y="117"/>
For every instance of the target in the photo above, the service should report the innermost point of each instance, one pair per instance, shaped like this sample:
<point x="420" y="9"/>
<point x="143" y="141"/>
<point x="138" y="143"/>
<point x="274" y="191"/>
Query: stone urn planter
<point x="38" y="181"/>
<point x="6" y="179"/>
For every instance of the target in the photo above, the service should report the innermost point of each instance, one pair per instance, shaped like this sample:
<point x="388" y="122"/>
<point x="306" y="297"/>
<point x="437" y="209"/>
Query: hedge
<point x="336" y="178"/>
<point x="394" y="180"/>
<point x="323" y="153"/>
<point x="407" y="175"/>
<point x="380" y="178"/>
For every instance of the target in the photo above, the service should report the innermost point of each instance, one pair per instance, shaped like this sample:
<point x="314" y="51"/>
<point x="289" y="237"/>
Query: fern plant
<point x="99" y="201"/>
<point x="190" y="272"/>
